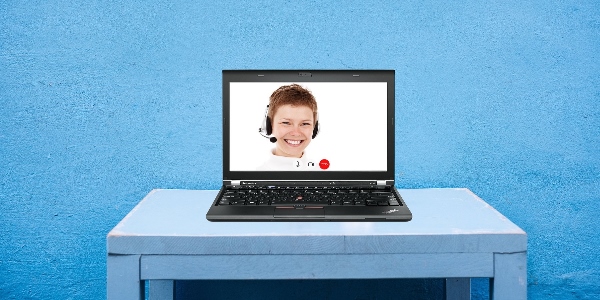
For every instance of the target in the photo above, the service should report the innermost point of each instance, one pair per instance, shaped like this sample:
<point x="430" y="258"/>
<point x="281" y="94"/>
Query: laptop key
<point x="377" y="200"/>
<point x="379" y="196"/>
<point x="359" y="202"/>
<point x="311" y="203"/>
<point x="371" y="203"/>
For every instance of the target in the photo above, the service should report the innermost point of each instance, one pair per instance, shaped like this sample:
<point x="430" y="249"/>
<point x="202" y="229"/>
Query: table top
<point x="444" y="220"/>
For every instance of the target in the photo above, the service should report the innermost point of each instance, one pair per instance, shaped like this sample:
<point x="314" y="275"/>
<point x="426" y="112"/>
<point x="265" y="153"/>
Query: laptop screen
<point x="296" y="123"/>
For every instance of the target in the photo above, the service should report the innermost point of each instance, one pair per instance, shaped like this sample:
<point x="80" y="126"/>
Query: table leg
<point x="123" y="277"/>
<point x="510" y="276"/>
<point x="161" y="290"/>
<point x="458" y="288"/>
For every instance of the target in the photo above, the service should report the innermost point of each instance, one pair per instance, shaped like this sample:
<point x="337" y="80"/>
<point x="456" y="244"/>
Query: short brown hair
<point x="294" y="95"/>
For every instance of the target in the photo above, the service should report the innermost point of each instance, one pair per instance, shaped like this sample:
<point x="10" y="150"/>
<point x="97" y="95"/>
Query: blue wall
<point x="101" y="102"/>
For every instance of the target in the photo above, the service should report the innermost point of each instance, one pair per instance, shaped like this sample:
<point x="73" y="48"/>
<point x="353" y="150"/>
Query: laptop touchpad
<point x="299" y="213"/>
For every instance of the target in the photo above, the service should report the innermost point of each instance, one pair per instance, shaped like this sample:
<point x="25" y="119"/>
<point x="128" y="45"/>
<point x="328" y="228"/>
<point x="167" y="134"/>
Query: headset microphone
<point x="272" y="138"/>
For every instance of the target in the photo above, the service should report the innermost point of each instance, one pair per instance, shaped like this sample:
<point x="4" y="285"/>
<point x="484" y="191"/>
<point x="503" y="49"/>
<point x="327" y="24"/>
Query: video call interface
<point x="352" y="128"/>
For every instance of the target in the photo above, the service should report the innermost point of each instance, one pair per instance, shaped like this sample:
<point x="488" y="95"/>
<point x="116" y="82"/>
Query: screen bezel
<point x="300" y="76"/>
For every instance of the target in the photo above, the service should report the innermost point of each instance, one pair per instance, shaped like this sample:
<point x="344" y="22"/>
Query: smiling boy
<point x="292" y="115"/>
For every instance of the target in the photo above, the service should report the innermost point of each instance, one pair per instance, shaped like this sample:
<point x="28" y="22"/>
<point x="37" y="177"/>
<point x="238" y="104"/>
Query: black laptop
<point x="308" y="145"/>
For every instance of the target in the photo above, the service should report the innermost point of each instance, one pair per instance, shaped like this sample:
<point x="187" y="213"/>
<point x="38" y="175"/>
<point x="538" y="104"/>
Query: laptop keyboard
<point x="296" y="196"/>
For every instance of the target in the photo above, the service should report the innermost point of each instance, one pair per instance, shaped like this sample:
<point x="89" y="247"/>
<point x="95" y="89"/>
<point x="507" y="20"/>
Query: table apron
<point x="412" y="265"/>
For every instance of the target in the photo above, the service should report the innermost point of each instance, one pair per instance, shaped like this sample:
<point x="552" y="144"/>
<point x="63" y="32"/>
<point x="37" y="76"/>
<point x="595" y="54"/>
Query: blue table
<point x="453" y="235"/>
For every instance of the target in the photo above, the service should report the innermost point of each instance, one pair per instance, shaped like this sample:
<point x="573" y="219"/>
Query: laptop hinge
<point x="381" y="183"/>
<point x="235" y="182"/>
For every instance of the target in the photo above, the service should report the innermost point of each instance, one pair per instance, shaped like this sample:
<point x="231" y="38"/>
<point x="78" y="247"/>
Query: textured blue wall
<point x="101" y="102"/>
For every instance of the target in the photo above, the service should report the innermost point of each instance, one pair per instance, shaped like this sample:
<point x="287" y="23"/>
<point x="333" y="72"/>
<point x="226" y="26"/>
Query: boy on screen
<point x="291" y="123"/>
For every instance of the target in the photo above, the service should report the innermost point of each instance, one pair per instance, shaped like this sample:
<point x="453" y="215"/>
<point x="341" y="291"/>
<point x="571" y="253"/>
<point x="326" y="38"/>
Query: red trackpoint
<point x="324" y="164"/>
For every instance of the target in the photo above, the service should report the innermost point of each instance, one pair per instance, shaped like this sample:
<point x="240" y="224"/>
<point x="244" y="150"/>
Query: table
<point x="454" y="235"/>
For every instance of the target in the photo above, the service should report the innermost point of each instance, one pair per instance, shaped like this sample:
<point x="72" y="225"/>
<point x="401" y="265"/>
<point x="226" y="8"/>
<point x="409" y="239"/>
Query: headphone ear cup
<point x="315" y="130"/>
<point x="268" y="127"/>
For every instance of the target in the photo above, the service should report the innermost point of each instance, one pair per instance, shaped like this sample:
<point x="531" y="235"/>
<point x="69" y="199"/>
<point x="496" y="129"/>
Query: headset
<point x="267" y="127"/>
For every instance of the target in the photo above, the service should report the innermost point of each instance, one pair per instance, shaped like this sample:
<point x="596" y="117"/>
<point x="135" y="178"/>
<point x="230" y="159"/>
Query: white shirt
<point x="283" y="163"/>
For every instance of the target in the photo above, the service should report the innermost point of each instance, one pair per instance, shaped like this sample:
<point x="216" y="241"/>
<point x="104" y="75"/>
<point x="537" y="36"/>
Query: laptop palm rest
<point x="299" y="213"/>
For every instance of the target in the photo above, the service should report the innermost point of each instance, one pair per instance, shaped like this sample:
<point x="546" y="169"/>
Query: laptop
<point x="308" y="145"/>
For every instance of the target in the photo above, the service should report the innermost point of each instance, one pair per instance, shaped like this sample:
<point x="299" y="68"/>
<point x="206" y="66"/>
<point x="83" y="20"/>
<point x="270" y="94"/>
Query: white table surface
<point x="176" y="217"/>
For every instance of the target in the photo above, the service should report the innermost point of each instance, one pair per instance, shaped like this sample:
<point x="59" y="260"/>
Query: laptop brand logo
<point x="389" y="211"/>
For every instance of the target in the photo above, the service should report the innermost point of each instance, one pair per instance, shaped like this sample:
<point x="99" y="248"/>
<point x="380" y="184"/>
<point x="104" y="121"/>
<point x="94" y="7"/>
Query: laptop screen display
<point x="299" y="126"/>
